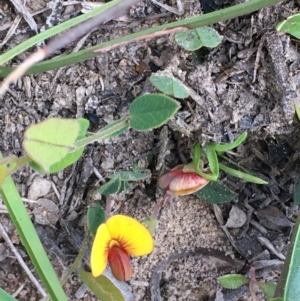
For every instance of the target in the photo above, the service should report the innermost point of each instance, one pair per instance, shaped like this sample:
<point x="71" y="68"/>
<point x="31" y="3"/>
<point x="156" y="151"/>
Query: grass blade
<point x="30" y="239"/>
<point x="189" y="23"/>
<point x="53" y="31"/>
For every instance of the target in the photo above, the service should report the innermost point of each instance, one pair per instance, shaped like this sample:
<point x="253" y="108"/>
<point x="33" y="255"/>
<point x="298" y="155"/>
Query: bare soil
<point x="248" y="83"/>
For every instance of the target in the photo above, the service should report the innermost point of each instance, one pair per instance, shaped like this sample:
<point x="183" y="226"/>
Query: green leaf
<point x="150" y="111"/>
<point x="30" y="239"/>
<point x="130" y="175"/>
<point x="197" y="162"/>
<point x="268" y="288"/>
<point x="292" y="287"/>
<point x="242" y="175"/>
<point x="48" y="142"/>
<point x="228" y="146"/>
<point x="291" y="25"/>
<point x="71" y="157"/>
<point x="112" y="186"/>
<point x="4" y="296"/>
<point x="95" y="217"/>
<point x="209" y="36"/>
<point x="169" y="85"/>
<point x="216" y="193"/>
<point x="276" y="299"/>
<point x="233" y="281"/>
<point x="212" y="160"/>
<point x="105" y="288"/>
<point x="194" y="39"/>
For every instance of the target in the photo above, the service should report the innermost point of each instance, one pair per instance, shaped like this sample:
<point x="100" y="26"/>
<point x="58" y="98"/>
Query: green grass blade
<point x="228" y="146"/>
<point x="30" y="239"/>
<point x="4" y="296"/>
<point x="242" y="175"/>
<point x="53" y="31"/>
<point x="193" y="22"/>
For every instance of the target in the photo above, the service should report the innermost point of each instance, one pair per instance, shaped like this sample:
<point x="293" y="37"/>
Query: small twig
<point x="175" y="11"/>
<point x="21" y="261"/>
<point x="16" y="293"/>
<point x="22" y="9"/>
<point x="264" y="241"/>
<point x="258" y="54"/>
<point x="11" y="30"/>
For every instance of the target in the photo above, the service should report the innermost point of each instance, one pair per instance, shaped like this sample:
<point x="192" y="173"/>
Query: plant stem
<point x="109" y="131"/>
<point x="188" y="23"/>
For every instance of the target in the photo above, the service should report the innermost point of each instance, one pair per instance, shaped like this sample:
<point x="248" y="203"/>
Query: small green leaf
<point x="268" y="288"/>
<point x="228" y="146"/>
<point x="48" y="142"/>
<point x="291" y="26"/>
<point x="130" y="175"/>
<point x="209" y="36"/>
<point x="233" y="281"/>
<point x="276" y="299"/>
<point x="4" y="296"/>
<point x="106" y="289"/>
<point x="150" y="111"/>
<point x="292" y="287"/>
<point x="169" y="85"/>
<point x="112" y="186"/>
<point x="242" y="175"/>
<point x="71" y="157"/>
<point x="215" y="193"/>
<point x="194" y="39"/>
<point x="197" y="162"/>
<point x="212" y="160"/>
<point x="95" y="217"/>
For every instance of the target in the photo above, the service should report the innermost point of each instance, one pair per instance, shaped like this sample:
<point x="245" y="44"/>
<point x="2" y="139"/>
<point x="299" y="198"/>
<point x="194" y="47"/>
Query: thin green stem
<point x="188" y="23"/>
<point x="107" y="132"/>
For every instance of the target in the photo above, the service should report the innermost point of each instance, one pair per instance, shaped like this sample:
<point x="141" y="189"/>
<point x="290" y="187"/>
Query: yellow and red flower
<point x="117" y="239"/>
<point x="182" y="180"/>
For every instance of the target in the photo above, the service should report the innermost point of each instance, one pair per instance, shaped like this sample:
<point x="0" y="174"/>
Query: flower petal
<point x="120" y="264"/>
<point x="132" y="236"/>
<point x="187" y="183"/>
<point x="100" y="249"/>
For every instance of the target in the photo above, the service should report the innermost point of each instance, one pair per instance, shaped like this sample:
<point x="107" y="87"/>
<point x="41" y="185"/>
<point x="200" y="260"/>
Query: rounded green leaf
<point x="71" y="157"/>
<point x="291" y="25"/>
<point x="268" y="288"/>
<point x="209" y="36"/>
<point x="169" y="85"/>
<point x="150" y="111"/>
<point x="194" y="39"/>
<point x="112" y="186"/>
<point x="48" y="142"/>
<point x="233" y="281"/>
<point x="215" y="193"/>
<point x="95" y="217"/>
<point x="189" y="40"/>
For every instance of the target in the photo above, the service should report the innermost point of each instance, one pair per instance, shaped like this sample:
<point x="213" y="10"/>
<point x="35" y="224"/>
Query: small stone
<point x="39" y="188"/>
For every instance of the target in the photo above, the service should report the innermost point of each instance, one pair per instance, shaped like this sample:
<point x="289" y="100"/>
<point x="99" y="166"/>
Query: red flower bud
<point x="120" y="264"/>
<point x="182" y="180"/>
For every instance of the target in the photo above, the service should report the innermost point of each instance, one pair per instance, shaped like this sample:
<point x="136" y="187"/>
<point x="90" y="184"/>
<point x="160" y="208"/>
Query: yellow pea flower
<point x="182" y="180"/>
<point x="116" y="239"/>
